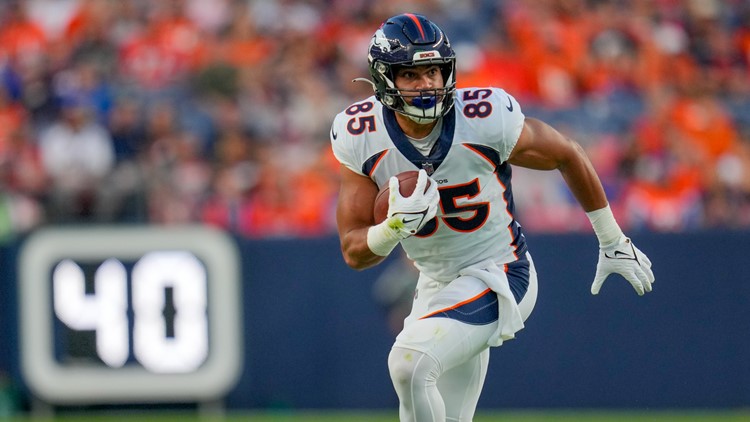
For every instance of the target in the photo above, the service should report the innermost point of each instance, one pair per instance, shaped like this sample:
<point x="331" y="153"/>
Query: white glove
<point x="622" y="257"/>
<point x="407" y="215"/>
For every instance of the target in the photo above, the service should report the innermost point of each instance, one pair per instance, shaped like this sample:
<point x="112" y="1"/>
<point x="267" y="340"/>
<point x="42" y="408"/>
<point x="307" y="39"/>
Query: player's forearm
<point x="582" y="180"/>
<point x="356" y="251"/>
<point x="586" y="186"/>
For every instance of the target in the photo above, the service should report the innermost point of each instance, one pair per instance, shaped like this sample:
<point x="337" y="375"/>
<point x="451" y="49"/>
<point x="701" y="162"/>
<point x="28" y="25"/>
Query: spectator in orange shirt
<point x="663" y="187"/>
<point x="12" y="118"/>
<point x="552" y="42"/>
<point x="21" y="39"/>
<point x="704" y="124"/>
<point x="241" y="44"/>
<point x="166" y="51"/>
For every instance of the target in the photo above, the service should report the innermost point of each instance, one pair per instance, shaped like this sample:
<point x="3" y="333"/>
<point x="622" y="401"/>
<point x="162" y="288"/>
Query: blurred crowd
<point x="218" y="111"/>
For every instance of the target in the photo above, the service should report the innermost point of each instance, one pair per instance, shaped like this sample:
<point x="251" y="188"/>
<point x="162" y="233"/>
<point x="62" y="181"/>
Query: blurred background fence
<point x="217" y="112"/>
<point x="314" y="337"/>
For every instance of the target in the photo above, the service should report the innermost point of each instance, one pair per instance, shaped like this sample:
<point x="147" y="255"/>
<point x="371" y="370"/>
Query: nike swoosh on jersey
<point x="334" y="135"/>
<point x="510" y="106"/>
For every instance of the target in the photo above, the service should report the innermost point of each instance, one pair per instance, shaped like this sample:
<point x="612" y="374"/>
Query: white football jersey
<point x="476" y="219"/>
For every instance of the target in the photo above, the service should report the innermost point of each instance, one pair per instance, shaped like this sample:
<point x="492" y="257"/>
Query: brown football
<point x="407" y="181"/>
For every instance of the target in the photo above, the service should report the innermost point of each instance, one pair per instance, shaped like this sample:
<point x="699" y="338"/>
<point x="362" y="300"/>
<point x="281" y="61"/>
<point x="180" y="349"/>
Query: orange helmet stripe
<point x="419" y="24"/>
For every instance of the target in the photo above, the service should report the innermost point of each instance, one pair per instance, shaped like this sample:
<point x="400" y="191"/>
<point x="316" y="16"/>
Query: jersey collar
<point x="439" y="150"/>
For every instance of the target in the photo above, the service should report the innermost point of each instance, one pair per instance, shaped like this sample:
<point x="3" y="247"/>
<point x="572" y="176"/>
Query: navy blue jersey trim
<point x="490" y="154"/>
<point x="439" y="151"/>
<point x="518" y="273"/>
<point x="369" y="165"/>
<point x="481" y="311"/>
<point x="519" y="240"/>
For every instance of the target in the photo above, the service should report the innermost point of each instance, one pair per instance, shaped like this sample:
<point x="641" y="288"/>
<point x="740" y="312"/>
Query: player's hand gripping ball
<point x="407" y="181"/>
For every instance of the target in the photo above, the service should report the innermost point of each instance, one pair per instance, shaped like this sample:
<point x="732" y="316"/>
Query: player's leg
<point x="438" y="365"/>
<point x="404" y="364"/>
<point x="427" y="347"/>
<point x="429" y="350"/>
<point x="460" y="387"/>
<point x="414" y="375"/>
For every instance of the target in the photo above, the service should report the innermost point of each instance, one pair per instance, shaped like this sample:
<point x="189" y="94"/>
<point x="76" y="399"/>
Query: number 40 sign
<point x="140" y="353"/>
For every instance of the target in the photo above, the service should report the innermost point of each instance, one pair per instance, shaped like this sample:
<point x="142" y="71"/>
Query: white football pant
<point x="438" y="364"/>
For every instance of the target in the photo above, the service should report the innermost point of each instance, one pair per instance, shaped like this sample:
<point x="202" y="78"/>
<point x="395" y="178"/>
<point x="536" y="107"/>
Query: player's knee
<point x="409" y="367"/>
<point x="400" y="366"/>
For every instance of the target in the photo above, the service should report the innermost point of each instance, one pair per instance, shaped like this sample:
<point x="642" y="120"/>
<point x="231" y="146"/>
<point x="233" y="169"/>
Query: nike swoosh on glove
<point x="407" y="215"/>
<point x="622" y="257"/>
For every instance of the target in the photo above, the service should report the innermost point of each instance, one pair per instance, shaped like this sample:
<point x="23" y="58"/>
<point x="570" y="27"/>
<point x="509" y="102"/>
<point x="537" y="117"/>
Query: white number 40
<point x="106" y="310"/>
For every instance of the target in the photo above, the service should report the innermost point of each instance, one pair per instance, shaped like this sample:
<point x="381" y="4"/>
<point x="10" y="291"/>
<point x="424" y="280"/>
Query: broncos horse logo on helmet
<point x="412" y="40"/>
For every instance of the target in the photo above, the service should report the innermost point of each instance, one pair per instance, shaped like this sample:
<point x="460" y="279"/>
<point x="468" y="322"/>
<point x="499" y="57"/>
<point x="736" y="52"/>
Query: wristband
<point x="606" y="228"/>
<point x="382" y="238"/>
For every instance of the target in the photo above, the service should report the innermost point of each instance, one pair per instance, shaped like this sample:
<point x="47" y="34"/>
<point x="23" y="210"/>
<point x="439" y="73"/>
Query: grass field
<point x="315" y="416"/>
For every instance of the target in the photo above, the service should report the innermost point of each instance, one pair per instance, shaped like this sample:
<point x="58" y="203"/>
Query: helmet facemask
<point x="421" y="105"/>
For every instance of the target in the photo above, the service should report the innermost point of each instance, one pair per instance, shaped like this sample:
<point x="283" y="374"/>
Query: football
<point x="407" y="181"/>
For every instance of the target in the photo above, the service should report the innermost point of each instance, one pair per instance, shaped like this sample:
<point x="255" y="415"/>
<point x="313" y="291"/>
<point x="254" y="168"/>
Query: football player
<point x="477" y="282"/>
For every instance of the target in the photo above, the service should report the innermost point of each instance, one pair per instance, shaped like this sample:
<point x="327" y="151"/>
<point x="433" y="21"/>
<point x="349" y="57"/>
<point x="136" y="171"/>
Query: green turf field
<point x="300" y="416"/>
